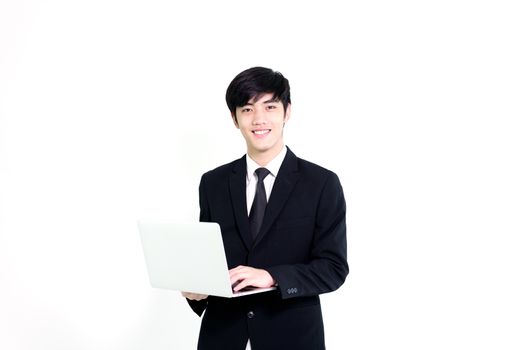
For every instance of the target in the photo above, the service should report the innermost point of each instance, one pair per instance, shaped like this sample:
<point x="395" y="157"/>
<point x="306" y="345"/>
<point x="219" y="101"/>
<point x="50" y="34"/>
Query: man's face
<point x="261" y="123"/>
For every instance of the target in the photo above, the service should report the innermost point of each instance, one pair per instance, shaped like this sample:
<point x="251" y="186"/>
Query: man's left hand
<point x="244" y="276"/>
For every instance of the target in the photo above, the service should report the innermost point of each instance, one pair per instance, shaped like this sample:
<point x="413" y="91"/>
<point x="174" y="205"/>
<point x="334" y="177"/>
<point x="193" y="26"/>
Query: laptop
<point x="188" y="257"/>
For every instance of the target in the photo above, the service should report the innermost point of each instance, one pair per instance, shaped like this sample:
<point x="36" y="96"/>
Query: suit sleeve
<point x="327" y="269"/>
<point x="199" y="306"/>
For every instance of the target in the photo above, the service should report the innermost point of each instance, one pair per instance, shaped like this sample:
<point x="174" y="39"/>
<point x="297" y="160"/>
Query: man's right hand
<point x="194" y="296"/>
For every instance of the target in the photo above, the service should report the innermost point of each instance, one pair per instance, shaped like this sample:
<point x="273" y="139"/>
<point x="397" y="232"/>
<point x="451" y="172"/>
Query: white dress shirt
<point x="273" y="166"/>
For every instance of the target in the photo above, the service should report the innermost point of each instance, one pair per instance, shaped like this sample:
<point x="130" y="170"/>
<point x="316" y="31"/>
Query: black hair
<point x="255" y="82"/>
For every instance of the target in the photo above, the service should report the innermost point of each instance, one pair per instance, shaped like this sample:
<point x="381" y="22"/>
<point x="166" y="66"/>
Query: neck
<point x="264" y="158"/>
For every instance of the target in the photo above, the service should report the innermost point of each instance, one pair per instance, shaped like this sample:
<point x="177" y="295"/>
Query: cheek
<point x="243" y="122"/>
<point x="279" y="123"/>
<point x="245" y="134"/>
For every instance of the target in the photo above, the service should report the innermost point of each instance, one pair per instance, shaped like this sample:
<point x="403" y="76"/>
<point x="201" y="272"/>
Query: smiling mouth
<point x="261" y="132"/>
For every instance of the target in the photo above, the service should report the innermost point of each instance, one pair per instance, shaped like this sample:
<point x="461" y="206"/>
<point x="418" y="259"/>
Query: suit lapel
<point x="283" y="185"/>
<point x="237" y="188"/>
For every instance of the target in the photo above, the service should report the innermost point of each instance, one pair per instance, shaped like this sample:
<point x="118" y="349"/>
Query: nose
<point x="259" y="116"/>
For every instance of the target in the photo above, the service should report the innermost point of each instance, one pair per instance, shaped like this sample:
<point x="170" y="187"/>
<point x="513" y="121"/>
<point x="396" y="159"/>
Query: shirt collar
<point x="273" y="166"/>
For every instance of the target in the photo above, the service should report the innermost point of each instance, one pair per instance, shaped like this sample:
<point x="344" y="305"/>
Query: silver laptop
<point x="188" y="257"/>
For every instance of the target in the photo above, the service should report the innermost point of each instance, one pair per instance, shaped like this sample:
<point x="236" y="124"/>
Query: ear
<point x="235" y="121"/>
<point x="287" y="114"/>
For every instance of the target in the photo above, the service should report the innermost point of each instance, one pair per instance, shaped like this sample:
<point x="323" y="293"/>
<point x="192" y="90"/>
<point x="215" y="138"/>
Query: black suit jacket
<point x="302" y="244"/>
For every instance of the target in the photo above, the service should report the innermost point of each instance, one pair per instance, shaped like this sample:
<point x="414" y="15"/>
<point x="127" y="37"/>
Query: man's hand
<point x="194" y="296"/>
<point x="243" y="276"/>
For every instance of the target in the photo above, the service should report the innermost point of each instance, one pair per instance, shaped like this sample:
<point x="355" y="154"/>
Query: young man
<point x="283" y="222"/>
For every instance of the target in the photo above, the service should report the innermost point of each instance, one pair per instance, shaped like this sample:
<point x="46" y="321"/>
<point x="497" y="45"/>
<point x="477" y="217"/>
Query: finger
<point x="238" y="268"/>
<point x="187" y="295"/>
<point x="194" y="296"/>
<point x="240" y="274"/>
<point x="198" y="297"/>
<point x="242" y="285"/>
<point x="238" y="277"/>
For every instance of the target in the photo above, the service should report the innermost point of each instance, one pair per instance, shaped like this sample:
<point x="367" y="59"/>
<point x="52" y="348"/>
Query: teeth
<point x="261" y="132"/>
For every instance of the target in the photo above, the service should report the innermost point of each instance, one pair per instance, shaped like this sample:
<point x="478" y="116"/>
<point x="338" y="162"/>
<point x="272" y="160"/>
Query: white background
<point x="111" y="110"/>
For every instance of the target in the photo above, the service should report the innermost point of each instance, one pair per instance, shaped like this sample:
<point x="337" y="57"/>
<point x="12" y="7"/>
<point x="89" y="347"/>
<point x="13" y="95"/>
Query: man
<point x="283" y="223"/>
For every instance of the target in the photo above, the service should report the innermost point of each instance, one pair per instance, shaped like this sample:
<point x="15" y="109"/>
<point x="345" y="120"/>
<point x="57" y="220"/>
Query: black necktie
<point x="259" y="203"/>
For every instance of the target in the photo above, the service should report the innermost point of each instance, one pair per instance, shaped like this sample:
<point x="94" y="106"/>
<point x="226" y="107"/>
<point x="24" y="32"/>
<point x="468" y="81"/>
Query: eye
<point x="246" y="110"/>
<point x="269" y="107"/>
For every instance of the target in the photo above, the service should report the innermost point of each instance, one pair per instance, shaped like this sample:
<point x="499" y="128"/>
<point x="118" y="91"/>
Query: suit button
<point x="250" y="314"/>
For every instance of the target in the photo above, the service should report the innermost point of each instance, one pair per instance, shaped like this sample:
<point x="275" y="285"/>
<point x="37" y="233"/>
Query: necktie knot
<point x="262" y="173"/>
